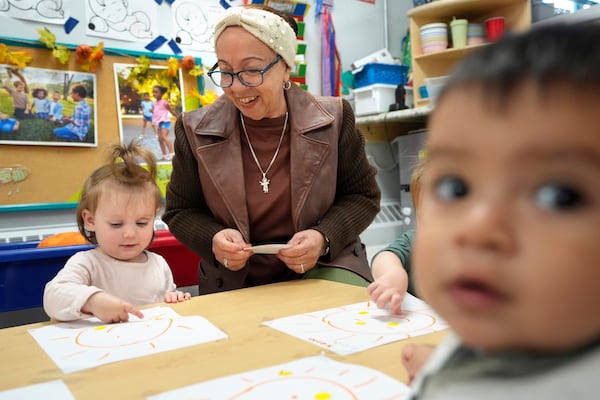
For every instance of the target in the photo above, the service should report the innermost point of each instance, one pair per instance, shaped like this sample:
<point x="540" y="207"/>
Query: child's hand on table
<point x="109" y="308"/>
<point x="177" y="297"/>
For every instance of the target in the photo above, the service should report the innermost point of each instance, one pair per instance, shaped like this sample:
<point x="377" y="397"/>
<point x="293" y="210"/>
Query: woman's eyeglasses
<point x="247" y="77"/>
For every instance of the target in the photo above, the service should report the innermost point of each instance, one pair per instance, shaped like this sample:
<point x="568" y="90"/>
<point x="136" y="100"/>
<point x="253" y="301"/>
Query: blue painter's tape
<point x="156" y="43"/>
<point x="174" y="47"/>
<point x="70" y="24"/>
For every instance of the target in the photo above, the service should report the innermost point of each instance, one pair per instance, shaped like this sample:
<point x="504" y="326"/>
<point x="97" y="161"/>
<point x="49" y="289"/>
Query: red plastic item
<point x="183" y="261"/>
<point x="495" y="28"/>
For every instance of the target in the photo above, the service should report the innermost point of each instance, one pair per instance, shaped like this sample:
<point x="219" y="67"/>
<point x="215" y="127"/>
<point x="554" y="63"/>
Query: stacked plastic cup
<point x="434" y="37"/>
<point x="476" y="34"/>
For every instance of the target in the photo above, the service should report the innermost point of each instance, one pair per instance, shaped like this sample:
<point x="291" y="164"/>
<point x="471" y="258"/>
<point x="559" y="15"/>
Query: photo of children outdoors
<point x="47" y="107"/>
<point x="149" y="100"/>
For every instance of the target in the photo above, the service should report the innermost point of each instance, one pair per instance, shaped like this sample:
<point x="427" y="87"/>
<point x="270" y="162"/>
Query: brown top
<point x="269" y="214"/>
<point x="332" y="186"/>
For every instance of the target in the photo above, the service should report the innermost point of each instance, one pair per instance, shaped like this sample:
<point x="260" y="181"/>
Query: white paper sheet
<point x="312" y="378"/>
<point x="361" y="326"/>
<point x="47" y="390"/>
<point x="87" y="343"/>
<point x="267" y="248"/>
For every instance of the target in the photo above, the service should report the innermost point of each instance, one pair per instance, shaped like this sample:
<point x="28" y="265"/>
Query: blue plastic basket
<point x="418" y="3"/>
<point x="372" y="73"/>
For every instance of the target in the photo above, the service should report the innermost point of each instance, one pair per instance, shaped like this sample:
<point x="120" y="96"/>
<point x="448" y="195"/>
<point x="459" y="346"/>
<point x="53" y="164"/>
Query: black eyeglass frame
<point x="237" y="74"/>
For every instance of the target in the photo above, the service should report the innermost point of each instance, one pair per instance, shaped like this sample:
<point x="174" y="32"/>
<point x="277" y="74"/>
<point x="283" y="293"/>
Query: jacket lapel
<point x="308" y="149"/>
<point x="218" y="136"/>
<point x="229" y="204"/>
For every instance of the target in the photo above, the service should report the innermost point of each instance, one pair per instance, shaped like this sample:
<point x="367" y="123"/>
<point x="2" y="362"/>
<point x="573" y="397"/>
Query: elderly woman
<point x="269" y="163"/>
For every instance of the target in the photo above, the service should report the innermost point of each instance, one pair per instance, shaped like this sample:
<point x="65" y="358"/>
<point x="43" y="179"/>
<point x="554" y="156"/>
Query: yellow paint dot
<point x="285" y="373"/>
<point x="101" y="327"/>
<point x="322" y="396"/>
<point x="360" y="323"/>
<point x="393" y="323"/>
<point x="363" y="312"/>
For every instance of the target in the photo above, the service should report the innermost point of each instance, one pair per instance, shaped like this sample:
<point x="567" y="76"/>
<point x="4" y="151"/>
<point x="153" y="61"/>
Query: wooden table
<point x="250" y="345"/>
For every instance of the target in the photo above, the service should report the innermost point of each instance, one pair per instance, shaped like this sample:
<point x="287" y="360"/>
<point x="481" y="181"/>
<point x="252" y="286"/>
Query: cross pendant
<point x="264" y="182"/>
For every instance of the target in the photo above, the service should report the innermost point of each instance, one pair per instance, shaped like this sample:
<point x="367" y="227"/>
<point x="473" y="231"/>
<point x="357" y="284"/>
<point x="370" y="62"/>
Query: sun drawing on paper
<point x="310" y="378"/>
<point x="356" y="327"/>
<point x="87" y="343"/>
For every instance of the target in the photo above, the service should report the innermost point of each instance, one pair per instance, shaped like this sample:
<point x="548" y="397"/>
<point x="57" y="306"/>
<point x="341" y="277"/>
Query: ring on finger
<point x="226" y="263"/>
<point x="302" y="267"/>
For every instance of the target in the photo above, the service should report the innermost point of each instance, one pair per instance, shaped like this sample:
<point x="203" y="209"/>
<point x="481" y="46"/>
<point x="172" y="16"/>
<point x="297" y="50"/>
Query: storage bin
<point x="372" y="73"/>
<point x="417" y="3"/>
<point x="25" y="269"/>
<point x="434" y="85"/>
<point x="374" y="99"/>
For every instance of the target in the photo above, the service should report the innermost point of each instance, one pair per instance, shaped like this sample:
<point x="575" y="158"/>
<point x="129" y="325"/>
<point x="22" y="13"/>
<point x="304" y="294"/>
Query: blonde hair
<point x="123" y="171"/>
<point x="415" y="182"/>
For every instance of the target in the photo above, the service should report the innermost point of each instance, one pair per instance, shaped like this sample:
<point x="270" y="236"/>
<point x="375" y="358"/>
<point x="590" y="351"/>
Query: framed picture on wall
<point x="47" y="107"/>
<point x="142" y="116"/>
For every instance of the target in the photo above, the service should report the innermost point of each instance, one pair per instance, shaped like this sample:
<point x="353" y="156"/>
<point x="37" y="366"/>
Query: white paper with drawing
<point x="87" y="343"/>
<point x="361" y="326"/>
<point x="316" y="377"/>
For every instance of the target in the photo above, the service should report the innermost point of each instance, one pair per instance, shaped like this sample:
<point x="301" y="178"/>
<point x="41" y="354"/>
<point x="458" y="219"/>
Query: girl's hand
<point x="177" y="297"/>
<point x="109" y="308"/>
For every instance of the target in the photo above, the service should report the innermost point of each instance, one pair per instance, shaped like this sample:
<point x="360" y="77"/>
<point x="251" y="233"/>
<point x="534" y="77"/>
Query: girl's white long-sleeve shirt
<point x="92" y="271"/>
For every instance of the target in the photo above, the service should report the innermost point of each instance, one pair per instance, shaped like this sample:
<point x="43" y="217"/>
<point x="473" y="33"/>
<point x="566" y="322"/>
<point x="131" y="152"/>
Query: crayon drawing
<point x="121" y="20"/>
<point x="308" y="378"/>
<point x="361" y="326"/>
<point x="87" y="343"/>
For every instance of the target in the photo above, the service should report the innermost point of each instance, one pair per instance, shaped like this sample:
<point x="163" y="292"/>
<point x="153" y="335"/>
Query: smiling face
<point x="123" y="222"/>
<point x="509" y="219"/>
<point x="238" y="50"/>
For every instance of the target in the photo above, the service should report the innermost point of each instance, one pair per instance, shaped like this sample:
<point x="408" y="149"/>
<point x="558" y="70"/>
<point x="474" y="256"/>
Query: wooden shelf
<point x="517" y="14"/>
<point x="385" y="127"/>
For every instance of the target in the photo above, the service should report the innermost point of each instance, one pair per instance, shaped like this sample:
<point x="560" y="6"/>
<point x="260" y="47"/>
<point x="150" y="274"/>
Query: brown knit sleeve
<point x="186" y="212"/>
<point x="357" y="191"/>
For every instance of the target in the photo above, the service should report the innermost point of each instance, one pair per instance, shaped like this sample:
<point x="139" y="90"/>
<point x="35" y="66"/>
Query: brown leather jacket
<point x="333" y="186"/>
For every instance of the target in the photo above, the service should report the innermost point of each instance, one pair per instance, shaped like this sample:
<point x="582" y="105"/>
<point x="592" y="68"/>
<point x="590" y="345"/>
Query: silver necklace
<point x="264" y="182"/>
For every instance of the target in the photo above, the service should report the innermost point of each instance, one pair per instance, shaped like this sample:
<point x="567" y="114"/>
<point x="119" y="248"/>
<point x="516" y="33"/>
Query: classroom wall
<point x="57" y="172"/>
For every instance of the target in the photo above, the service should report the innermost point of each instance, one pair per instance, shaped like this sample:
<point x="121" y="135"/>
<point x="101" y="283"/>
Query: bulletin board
<point x="56" y="173"/>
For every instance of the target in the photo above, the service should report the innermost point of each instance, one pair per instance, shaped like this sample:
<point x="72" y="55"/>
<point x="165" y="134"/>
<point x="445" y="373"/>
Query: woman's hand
<point x="109" y="308"/>
<point x="305" y="249"/>
<point x="228" y="247"/>
<point x="177" y="297"/>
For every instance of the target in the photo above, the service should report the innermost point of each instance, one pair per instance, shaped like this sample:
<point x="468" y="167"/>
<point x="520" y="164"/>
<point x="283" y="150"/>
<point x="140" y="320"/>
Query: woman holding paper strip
<point x="269" y="163"/>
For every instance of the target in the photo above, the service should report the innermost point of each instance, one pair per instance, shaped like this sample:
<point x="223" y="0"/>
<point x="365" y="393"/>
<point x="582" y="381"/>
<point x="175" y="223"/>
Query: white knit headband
<point x="266" y="26"/>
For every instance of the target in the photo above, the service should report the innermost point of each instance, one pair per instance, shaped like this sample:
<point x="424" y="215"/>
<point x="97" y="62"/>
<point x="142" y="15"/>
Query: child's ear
<point x="88" y="220"/>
